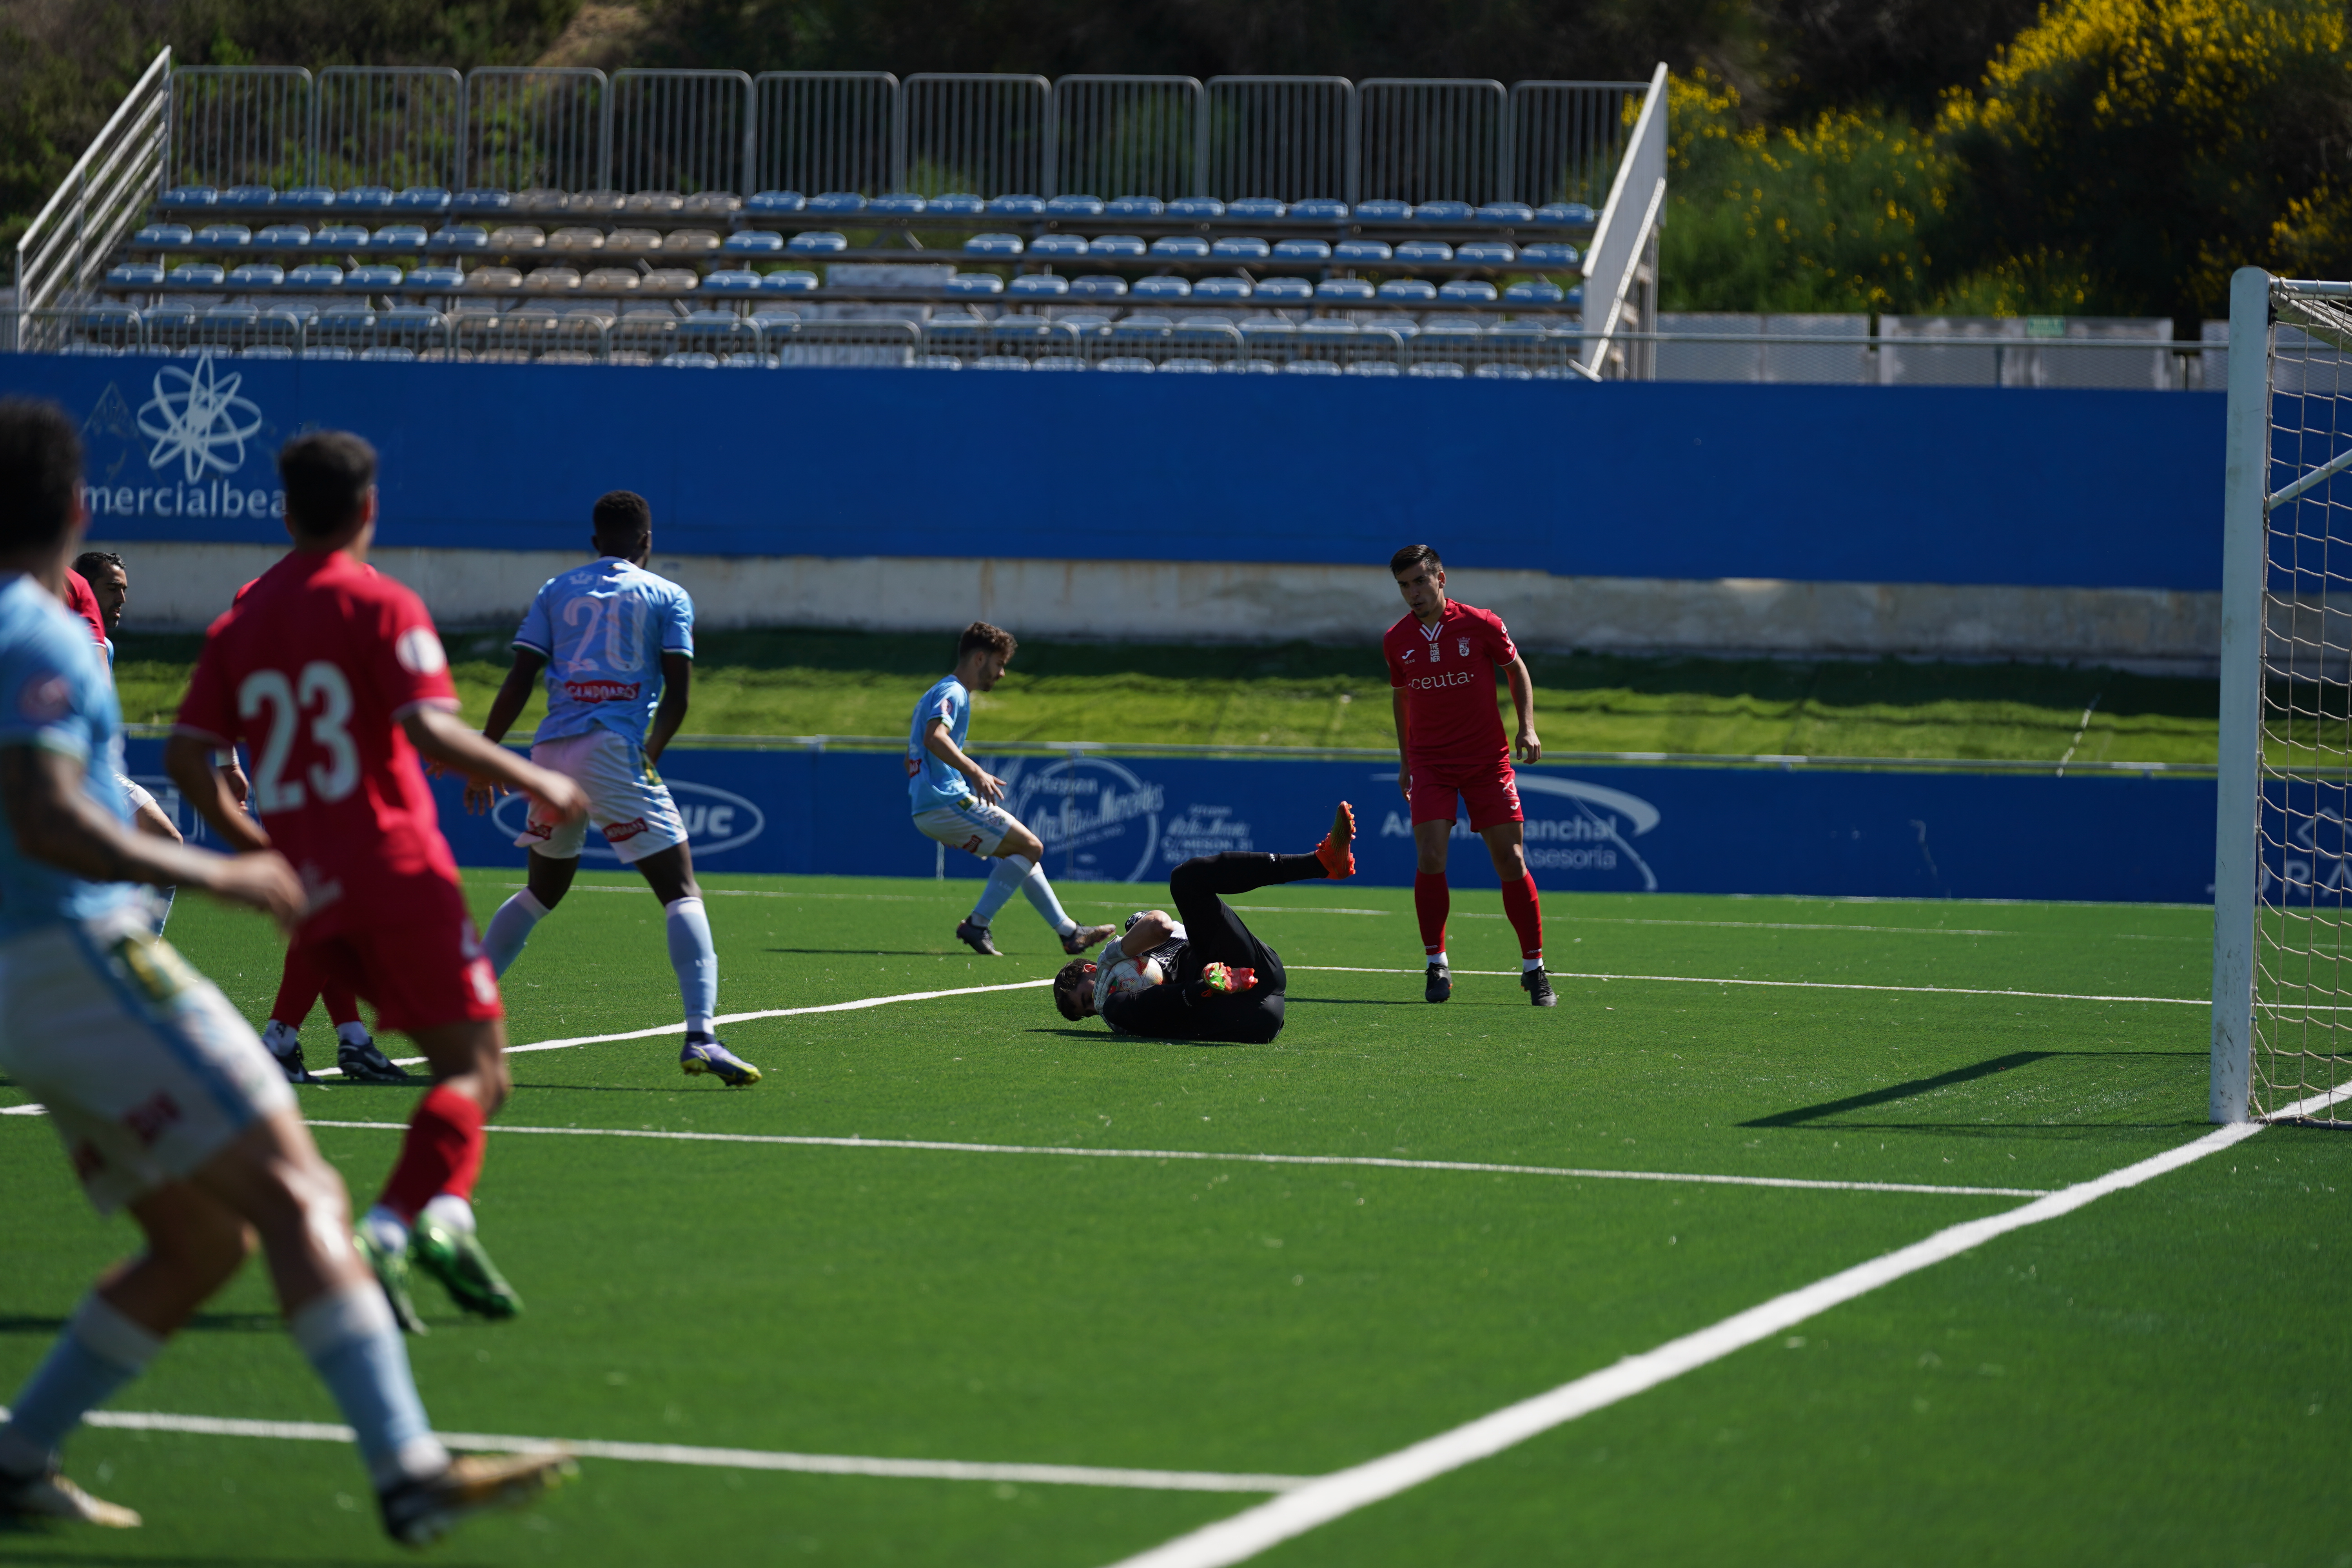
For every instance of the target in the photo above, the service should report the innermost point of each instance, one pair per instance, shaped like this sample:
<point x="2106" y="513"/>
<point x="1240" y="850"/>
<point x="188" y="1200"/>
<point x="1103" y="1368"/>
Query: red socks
<point x="442" y="1153"/>
<point x="1431" y="901"/>
<point x="1526" y="915"/>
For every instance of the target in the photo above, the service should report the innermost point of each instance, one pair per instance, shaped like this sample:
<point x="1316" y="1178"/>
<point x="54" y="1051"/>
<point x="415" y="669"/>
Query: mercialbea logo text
<point x="198" y="433"/>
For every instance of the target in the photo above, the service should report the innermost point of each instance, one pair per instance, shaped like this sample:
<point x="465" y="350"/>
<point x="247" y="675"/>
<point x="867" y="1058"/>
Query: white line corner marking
<point x="1342" y="1492"/>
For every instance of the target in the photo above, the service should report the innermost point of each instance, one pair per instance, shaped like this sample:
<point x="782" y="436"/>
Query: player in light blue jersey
<point x="618" y="645"/>
<point x="957" y="801"/>
<point x="166" y="1102"/>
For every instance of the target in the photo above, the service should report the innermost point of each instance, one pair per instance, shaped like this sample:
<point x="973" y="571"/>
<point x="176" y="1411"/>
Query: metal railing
<point x="1621" y="268"/>
<point x="61" y="251"/>
<point x="236" y="125"/>
<point x="1288" y="137"/>
<point x="1565" y="139"/>
<point x="1126" y="135"/>
<point x="395" y="126"/>
<point x="1422" y="139"/>
<point x="537" y="128"/>
<point x="824" y="130"/>
<point x="682" y="131"/>
<point x="988" y="135"/>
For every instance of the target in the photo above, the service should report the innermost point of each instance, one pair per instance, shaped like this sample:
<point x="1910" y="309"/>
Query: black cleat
<point x="1538" y="985"/>
<point x="1440" y="985"/>
<point x="1087" y="937"/>
<point x="977" y="938"/>
<point x="365" y="1064"/>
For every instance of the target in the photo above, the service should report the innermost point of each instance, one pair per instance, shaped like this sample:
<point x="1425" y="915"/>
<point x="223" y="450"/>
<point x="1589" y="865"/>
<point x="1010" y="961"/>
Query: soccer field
<point x="1159" y="1340"/>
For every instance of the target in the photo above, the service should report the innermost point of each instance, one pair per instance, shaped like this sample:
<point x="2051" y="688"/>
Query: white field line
<point x="1735" y="925"/>
<point x="1797" y="984"/>
<point x="1166" y="1154"/>
<point x="915" y="899"/>
<point x="1342" y="1492"/>
<point x="720" y="1459"/>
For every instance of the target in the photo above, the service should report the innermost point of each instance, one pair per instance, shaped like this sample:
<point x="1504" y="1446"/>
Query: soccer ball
<point x="1128" y="974"/>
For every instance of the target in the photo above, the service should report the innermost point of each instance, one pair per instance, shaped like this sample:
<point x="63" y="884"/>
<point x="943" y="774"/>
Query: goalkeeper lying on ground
<point x="1202" y="976"/>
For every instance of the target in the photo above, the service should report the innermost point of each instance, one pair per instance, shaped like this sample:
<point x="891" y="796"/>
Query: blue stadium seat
<point x="1136" y="206"/>
<point x="370" y="197"/>
<point x="1251" y="367"/>
<point x="789" y="281"/>
<point x="1188" y="367"/>
<point x="284" y="236"/>
<point x="737" y="280"/>
<point x="1374" y="367"/>
<point x="1099" y="285"/>
<point x="897" y="204"/>
<point x="373" y="277"/>
<point x="1492" y="252"/>
<point x="398" y="236"/>
<point x="1075" y="206"/>
<point x="1468" y="291"/>
<point x="163" y="234"/>
<point x="836" y="204"/>
<point x="1567" y="214"/>
<point x="1222" y="289"/>
<point x="1504" y="373"/>
<point x="1319" y="209"/>
<point x="1182" y="247"/>
<point x="1057" y="245"/>
<point x="249" y="197"/>
<point x="1162" y="289"/>
<point x="957" y="203"/>
<point x="1257" y="210"/>
<point x="1037" y="285"/>
<point x="422" y="198"/>
<point x="1058" y="362"/>
<point x="464" y="236"/>
<point x="938" y="361"/>
<point x="1345" y="289"/>
<point x="1303" y="250"/>
<point x="1424" y="251"/>
<point x="310" y="196"/>
<point x="389" y="354"/>
<point x="316" y="275"/>
<point x="1444" y="212"/>
<point x="1126" y="246"/>
<point x="1437" y="370"/>
<point x="328" y="351"/>
<point x="1000" y="362"/>
<point x="816" y="242"/>
<point x="1311" y="367"/>
<point x="1409" y="291"/>
<point x="975" y="283"/>
<point x="768" y="319"/>
<point x="189" y="197"/>
<point x="1241" y="248"/>
<point x="346" y="236"/>
<point x="1507" y="212"/>
<point x="1537" y="292"/>
<point x="1142" y="329"/>
<point x="1016" y="206"/>
<point x="266" y="351"/>
<point x="224" y="234"/>
<point x="1361" y="251"/>
<point x="196" y="272"/>
<point x="1550" y="254"/>
<point x="1383" y="211"/>
<point x="135" y="275"/>
<point x="752" y="242"/>
<point x="482" y="199"/>
<point x="1196" y="207"/>
<point x="1284" y="289"/>
<point x="776" y="201"/>
<point x="993" y="245"/>
<point x="436" y="278"/>
<point x="257" y="275"/>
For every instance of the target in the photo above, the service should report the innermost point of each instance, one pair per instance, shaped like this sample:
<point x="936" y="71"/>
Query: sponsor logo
<point x="622" y="832"/>
<point x="1203" y="830"/>
<point x="1404" y="655"/>
<point x="419" y="652"/>
<point x="196" y="420"/>
<point x="45" y="699"/>
<point x="196" y="433"/>
<point x="1099" y="816"/>
<point x="152" y="1119"/>
<point x="602" y="690"/>
<point x="1594" y="837"/>
<point x="716" y="820"/>
<point x="1432" y="682"/>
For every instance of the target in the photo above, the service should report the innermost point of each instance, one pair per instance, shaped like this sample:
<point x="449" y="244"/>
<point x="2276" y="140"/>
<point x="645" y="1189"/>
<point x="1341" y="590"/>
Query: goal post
<point x="2282" y="1036"/>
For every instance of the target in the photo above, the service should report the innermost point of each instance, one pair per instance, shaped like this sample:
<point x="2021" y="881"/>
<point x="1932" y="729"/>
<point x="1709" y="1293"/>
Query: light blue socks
<point x="1005" y="880"/>
<point x="100" y="1352"/>
<point x="510" y="928"/>
<point x="696" y="961"/>
<point x="353" y="1343"/>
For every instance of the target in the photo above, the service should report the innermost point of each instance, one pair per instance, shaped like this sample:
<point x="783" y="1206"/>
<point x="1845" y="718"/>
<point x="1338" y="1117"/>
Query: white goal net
<point x="2283" y="865"/>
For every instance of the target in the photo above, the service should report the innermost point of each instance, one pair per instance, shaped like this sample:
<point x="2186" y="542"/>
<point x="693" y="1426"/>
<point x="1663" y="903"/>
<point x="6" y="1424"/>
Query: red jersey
<point x="82" y="601"/>
<point x="1447" y="675"/>
<point x="313" y="670"/>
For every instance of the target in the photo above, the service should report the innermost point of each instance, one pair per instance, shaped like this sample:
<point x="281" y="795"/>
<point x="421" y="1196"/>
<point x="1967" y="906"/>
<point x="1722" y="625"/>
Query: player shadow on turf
<point x="17" y="1528"/>
<point x="873" y="952"/>
<point x="1990" y="1068"/>
<point x="203" y="1322"/>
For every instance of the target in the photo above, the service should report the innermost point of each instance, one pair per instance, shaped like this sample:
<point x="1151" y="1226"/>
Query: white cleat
<point x="51" y="1495"/>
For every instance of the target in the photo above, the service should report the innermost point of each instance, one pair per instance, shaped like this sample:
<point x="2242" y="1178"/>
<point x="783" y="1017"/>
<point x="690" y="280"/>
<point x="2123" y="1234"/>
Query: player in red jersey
<point x="1450" y="751"/>
<point x="332" y="678"/>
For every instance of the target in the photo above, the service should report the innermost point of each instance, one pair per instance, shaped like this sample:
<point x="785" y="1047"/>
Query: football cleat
<point x="702" y="1054"/>
<point x="976" y="938"/>
<point x="365" y="1064"/>
<point x="391" y="1272"/>
<point x="419" y="1512"/>
<point x="49" y="1495"/>
<point x="1336" y="851"/>
<point x="1439" y="983"/>
<point x="1085" y="937"/>
<point x="286" y="1045"/>
<point x="458" y="1260"/>
<point x="1538" y="985"/>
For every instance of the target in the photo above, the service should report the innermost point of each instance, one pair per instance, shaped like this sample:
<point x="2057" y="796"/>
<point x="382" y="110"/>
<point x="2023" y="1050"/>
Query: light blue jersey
<point x="930" y="783"/>
<point x="603" y="628"/>
<point x="57" y="695"/>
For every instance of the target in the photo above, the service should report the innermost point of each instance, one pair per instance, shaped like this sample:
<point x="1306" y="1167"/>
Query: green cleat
<point x="458" y="1260"/>
<point x="392" y="1273"/>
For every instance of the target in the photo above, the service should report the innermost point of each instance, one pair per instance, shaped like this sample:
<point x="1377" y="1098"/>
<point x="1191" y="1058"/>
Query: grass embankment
<point x="844" y="683"/>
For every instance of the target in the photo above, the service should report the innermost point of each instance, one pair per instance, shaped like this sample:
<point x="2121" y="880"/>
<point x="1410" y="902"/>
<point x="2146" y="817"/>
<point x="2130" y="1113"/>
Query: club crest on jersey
<point x="1465" y="646"/>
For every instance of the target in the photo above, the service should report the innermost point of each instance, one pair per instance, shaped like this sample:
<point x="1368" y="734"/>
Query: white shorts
<point x="135" y="793"/>
<point x="970" y="825"/>
<point x="627" y="802"/>
<point x="146" y="1070"/>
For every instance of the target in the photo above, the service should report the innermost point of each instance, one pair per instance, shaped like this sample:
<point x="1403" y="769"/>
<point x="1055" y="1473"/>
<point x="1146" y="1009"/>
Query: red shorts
<point x="418" y="959"/>
<point x="1488" y="786"/>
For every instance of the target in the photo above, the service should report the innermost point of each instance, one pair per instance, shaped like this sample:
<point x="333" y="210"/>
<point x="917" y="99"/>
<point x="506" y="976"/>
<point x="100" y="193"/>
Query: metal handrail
<point x="39" y="263"/>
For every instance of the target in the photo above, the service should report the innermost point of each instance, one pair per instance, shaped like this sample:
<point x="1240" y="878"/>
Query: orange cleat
<point x="1338" y="858"/>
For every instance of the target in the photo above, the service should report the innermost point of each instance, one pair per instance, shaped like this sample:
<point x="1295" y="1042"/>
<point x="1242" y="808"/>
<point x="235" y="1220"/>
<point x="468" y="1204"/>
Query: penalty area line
<point x="719" y="1458"/>
<point x="1793" y="984"/>
<point x="1343" y="1492"/>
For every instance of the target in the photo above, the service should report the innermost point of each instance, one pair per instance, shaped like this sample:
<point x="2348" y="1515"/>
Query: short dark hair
<point x="40" y="472"/>
<point x="981" y="635"/>
<point x="327" y="474"/>
<point x="622" y="514"/>
<point x="1076" y="980"/>
<point x="1413" y="556"/>
<point x="90" y="561"/>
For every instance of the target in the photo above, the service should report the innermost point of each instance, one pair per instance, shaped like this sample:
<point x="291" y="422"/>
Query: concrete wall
<point x="182" y="586"/>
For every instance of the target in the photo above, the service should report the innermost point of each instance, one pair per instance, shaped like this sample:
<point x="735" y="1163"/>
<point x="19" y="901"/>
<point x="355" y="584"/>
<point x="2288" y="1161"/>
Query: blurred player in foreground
<point x="1450" y="751"/>
<point x="1203" y="975"/>
<point x="956" y="801"/>
<point x="618" y="645"/>
<point x="166" y="1103"/>
<point x="332" y="677"/>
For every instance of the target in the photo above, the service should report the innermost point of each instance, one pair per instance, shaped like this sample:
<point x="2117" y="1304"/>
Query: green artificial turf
<point x="846" y="683"/>
<point x="2150" y="1379"/>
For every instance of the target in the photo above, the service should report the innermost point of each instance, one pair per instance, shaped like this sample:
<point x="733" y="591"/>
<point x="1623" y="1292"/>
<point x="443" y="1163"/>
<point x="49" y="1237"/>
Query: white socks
<point x="387" y="1230"/>
<point x="452" y="1212"/>
<point x="695" y="961"/>
<point x="1528" y="965"/>
<point x="510" y="928"/>
<point x="1438" y="957"/>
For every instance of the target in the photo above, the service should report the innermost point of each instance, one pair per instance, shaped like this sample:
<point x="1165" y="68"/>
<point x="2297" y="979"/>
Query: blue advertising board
<point x="1686" y="480"/>
<point x="1619" y="829"/>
